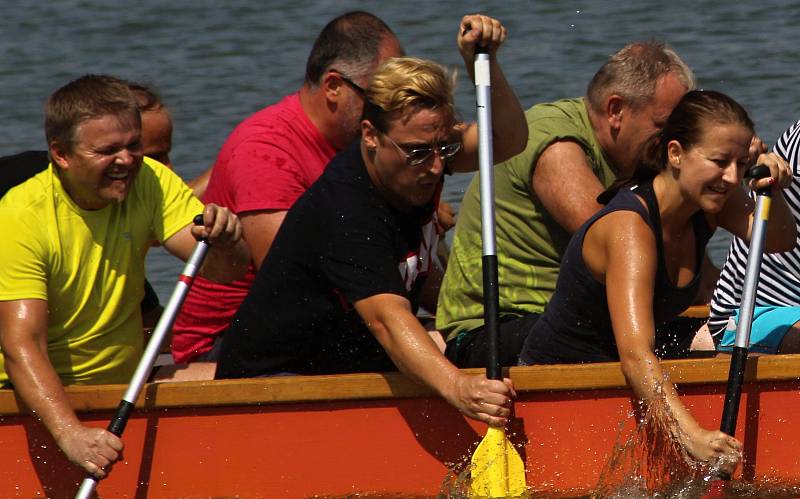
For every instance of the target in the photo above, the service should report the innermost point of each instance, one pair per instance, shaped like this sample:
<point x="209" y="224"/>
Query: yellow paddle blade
<point x="497" y="469"/>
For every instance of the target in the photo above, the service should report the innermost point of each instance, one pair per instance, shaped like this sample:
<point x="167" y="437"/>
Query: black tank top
<point x="576" y="326"/>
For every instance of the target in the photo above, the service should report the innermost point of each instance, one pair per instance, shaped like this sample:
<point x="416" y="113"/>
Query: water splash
<point x="652" y="462"/>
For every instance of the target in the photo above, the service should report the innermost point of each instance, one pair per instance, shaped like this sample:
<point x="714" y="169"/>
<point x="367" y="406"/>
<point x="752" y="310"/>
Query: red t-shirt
<point x="266" y="163"/>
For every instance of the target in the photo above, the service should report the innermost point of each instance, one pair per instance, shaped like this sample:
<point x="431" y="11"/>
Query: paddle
<point x="126" y="405"/>
<point x="497" y="469"/>
<point x="730" y="409"/>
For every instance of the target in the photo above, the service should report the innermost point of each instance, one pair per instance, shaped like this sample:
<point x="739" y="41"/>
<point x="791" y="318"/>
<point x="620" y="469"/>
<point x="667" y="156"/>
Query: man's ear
<point x="331" y="86"/>
<point x="58" y="155"/>
<point x="615" y="106"/>
<point x="369" y="135"/>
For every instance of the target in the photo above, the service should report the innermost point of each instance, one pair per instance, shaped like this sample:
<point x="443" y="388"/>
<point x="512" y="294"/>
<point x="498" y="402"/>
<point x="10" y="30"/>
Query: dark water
<point x="217" y="62"/>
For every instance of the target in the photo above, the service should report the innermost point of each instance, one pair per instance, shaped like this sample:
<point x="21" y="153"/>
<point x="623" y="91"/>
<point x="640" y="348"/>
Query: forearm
<point x="648" y="382"/>
<point x="36" y="382"/>
<point x="416" y="355"/>
<point x="226" y="264"/>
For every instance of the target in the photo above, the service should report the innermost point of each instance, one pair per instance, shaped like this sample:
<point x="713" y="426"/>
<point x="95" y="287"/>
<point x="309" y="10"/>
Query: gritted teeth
<point x="120" y="175"/>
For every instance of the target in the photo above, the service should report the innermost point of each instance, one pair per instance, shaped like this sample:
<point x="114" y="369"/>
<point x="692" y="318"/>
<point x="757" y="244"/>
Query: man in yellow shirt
<point x="73" y="258"/>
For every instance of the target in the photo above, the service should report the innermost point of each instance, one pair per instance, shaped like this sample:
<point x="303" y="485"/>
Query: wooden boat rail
<point x="376" y="386"/>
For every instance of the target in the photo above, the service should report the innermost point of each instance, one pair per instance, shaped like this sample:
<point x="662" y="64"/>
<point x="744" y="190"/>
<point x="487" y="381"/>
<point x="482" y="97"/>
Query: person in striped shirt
<point x="776" y="318"/>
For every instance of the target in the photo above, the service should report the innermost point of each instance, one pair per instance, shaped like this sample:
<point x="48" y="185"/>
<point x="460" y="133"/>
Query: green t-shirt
<point x="530" y="242"/>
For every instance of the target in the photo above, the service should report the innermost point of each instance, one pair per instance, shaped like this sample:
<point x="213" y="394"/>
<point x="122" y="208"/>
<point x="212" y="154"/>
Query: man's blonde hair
<point x="404" y="83"/>
<point x="633" y="72"/>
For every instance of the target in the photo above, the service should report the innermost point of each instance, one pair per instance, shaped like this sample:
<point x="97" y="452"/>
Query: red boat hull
<point x="339" y="435"/>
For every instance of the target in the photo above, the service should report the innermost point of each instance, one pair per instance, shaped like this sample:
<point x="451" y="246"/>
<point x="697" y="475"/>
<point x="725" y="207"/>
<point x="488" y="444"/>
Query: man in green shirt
<point x="576" y="149"/>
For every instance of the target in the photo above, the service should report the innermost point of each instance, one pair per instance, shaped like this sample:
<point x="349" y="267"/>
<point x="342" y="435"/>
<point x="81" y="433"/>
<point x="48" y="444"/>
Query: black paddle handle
<point x="734" y="392"/>
<point x="492" y="316"/>
<point x="120" y="419"/>
<point x="730" y="411"/>
<point x="198" y="220"/>
<point x="758" y="172"/>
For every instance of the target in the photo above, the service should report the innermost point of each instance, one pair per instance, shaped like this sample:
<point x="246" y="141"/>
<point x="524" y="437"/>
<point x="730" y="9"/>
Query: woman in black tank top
<point x="636" y="262"/>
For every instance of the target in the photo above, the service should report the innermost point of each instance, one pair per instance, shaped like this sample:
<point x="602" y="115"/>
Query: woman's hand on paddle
<point x="220" y="226"/>
<point x="90" y="448"/>
<point x="779" y="170"/>
<point x="714" y="446"/>
<point x="479" y="30"/>
<point x="484" y="399"/>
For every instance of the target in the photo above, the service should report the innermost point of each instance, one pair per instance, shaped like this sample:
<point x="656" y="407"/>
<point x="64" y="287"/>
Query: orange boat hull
<point x="372" y="433"/>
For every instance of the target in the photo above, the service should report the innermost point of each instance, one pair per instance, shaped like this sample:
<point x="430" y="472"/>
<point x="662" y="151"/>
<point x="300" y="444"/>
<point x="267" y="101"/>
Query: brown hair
<point x="350" y="43"/>
<point x="90" y="96"/>
<point x="146" y="97"/>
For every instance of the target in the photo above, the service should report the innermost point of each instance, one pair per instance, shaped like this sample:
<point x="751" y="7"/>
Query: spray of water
<point x="651" y="461"/>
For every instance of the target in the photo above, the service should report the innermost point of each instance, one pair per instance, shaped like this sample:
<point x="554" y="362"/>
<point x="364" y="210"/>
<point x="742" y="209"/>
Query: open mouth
<point x="118" y="175"/>
<point x="718" y="189"/>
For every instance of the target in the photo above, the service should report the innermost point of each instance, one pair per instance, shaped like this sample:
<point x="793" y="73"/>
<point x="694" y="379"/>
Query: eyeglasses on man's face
<point x="355" y="86"/>
<point x="417" y="155"/>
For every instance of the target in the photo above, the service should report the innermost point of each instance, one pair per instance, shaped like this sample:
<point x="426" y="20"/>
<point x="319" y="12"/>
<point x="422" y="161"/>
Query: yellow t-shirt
<point x="89" y="266"/>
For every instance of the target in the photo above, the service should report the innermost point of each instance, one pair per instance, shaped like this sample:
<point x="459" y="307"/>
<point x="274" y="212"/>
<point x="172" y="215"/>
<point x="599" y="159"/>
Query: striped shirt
<point x="779" y="280"/>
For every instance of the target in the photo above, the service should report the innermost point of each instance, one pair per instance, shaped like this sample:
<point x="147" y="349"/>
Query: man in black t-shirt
<point x="342" y="242"/>
<point x="339" y="289"/>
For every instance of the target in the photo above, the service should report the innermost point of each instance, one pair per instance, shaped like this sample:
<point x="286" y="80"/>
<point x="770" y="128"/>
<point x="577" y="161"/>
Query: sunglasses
<point x="419" y="155"/>
<point x="358" y="88"/>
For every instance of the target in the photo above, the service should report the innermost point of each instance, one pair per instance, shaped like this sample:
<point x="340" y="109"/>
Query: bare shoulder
<point x="621" y="228"/>
<point x="619" y="239"/>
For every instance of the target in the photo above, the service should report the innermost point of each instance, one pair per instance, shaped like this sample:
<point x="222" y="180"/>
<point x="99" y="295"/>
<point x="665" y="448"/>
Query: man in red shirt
<point x="273" y="156"/>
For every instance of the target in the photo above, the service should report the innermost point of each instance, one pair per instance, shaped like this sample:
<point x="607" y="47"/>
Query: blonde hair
<point x="633" y="72"/>
<point x="403" y="83"/>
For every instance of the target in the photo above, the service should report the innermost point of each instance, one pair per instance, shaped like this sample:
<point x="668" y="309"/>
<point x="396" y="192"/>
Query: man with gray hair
<point x="273" y="156"/>
<point x="576" y="148"/>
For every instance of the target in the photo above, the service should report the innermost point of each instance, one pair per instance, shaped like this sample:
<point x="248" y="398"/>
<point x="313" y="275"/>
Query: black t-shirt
<point x="20" y="167"/>
<point x="339" y="243"/>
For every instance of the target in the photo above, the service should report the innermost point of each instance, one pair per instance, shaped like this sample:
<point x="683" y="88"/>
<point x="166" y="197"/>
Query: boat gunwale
<point x="382" y="386"/>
